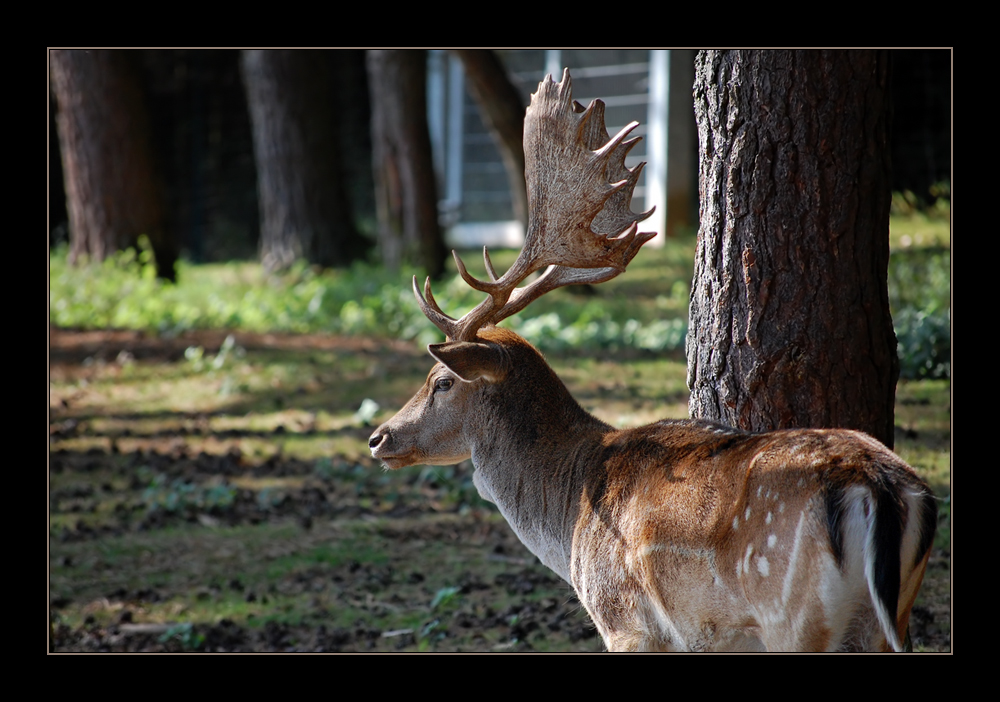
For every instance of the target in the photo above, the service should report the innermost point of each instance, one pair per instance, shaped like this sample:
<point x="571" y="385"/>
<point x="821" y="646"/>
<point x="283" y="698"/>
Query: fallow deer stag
<point x="680" y="535"/>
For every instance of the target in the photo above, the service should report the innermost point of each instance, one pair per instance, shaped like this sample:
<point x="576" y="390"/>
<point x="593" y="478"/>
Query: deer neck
<point x="531" y="452"/>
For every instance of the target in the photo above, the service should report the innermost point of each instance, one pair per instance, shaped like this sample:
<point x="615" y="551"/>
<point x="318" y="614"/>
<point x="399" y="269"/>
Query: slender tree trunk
<point x="502" y="109"/>
<point x="405" y="186"/>
<point x="114" y="190"/>
<point x="304" y="209"/>
<point x="789" y="320"/>
<point x="355" y="136"/>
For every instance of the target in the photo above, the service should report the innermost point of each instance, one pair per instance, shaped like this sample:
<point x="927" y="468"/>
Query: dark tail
<point x="887" y="516"/>
<point x="891" y="519"/>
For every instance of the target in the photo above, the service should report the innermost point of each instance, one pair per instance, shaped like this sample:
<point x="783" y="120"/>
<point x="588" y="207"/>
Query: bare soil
<point x="169" y="547"/>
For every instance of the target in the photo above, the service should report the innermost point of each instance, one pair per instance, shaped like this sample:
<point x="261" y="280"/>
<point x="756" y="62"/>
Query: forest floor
<point x="218" y="496"/>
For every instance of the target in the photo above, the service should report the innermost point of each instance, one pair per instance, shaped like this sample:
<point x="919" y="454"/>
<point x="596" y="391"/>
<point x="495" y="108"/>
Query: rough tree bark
<point x="114" y="191"/>
<point x="405" y="186"/>
<point x="789" y="317"/>
<point x="503" y="112"/>
<point x="304" y="210"/>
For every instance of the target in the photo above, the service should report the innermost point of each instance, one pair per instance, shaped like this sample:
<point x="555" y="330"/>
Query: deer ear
<point x="470" y="360"/>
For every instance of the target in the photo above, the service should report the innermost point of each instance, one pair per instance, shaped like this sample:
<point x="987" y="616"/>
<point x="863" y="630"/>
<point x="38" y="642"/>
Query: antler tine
<point x="431" y="310"/>
<point x="489" y="265"/>
<point x="559" y="276"/>
<point x="617" y="214"/>
<point x="485" y="286"/>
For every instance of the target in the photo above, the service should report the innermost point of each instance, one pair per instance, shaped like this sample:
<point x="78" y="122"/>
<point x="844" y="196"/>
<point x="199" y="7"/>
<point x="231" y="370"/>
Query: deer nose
<point x="375" y="439"/>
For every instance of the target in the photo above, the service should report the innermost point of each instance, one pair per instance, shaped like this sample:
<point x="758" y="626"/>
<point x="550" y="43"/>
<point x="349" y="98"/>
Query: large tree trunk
<point x="789" y="320"/>
<point x="304" y="209"/>
<point x="405" y="185"/>
<point x="114" y="191"/>
<point x="503" y="111"/>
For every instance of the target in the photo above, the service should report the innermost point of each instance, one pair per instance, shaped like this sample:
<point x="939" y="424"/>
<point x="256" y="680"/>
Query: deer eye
<point x="443" y="384"/>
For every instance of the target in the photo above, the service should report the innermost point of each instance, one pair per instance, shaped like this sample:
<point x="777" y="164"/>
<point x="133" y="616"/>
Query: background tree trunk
<point x="405" y="186"/>
<point x="114" y="191"/>
<point x="304" y="208"/>
<point x="503" y="111"/>
<point x="789" y="317"/>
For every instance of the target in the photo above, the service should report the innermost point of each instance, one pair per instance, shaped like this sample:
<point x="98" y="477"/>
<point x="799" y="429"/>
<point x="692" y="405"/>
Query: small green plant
<point x="189" y="639"/>
<point x="429" y="635"/>
<point x="269" y="498"/>
<point x="178" y="496"/>
<point x="445" y="597"/>
<point x="550" y="332"/>
<point x="452" y="484"/>
<point x="195" y="356"/>
<point x="920" y="300"/>
<point x="228" y="348"/>
<point x="924" y="343"/>
<point x="366" y="412"/>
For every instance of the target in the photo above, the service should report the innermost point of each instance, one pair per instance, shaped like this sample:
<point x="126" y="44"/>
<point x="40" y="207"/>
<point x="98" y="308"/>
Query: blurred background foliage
<point x="645" y="310"/>
<point x="202" y="133"/>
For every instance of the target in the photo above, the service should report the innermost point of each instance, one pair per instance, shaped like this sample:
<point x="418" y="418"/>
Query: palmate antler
<point x="580" y="225"/>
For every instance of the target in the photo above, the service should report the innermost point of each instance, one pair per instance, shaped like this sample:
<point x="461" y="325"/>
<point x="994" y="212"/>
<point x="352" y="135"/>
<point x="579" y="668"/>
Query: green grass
<point x="646" y="309"/>
<point x="276" y="572"/>
<point x="122" y="292"/>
